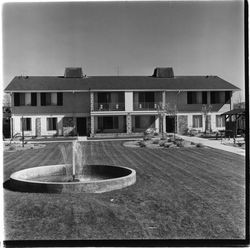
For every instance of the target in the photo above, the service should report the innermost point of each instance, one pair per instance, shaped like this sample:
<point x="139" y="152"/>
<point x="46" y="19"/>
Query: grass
<point x="179" y="194"/>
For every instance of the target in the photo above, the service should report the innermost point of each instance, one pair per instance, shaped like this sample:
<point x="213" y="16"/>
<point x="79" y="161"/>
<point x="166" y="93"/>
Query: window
<point x="220" y="121"/>
<point x="51" y="124"/>
<point x="144" y="121"/>
<point x="26" y="124"/>
<point x="108" y="122"/>
<point x="23" y="99"/>
<point x="197" y="121"/>
<point x="193" y="97"/>
<point x="217" y="97"/>
<point x="51" y="99"/>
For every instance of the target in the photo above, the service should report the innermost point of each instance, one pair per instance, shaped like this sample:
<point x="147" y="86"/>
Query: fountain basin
<point x="58" y="179"/>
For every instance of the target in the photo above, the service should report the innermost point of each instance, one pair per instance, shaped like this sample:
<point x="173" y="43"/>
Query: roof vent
<point x="163" y="72"/>
<point x="73" y="72"/>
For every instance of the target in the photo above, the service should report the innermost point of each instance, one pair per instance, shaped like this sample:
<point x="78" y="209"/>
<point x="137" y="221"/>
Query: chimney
<point x="73" y="72"/>
<point x="163" y="72"/>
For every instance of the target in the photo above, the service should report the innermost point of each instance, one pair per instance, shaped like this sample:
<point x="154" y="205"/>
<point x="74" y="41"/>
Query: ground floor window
<point x="144" y="121"/>
<point x="220" y="121"/>
<point x="51" y="124"/>
<point x="197" y="121"/>
<point x="108" y="122"/>
<point x="26" y="124"/>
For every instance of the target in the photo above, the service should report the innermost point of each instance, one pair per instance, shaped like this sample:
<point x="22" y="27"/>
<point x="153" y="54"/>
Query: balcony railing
<point x="145" y="106"/>
<point x="109" y="107"/>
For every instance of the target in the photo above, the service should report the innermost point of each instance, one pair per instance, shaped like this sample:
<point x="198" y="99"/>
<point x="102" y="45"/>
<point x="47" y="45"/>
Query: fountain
<point x="77" y="177"/>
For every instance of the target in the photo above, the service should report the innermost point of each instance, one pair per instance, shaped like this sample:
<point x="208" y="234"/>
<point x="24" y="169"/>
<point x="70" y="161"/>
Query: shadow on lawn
<point x="27" y="189"/>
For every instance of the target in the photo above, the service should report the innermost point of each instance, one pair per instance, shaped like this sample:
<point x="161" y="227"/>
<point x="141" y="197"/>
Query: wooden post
<point x="22" y="133"/>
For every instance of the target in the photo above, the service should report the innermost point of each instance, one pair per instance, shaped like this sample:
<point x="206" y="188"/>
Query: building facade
<point x="74" y="104"/>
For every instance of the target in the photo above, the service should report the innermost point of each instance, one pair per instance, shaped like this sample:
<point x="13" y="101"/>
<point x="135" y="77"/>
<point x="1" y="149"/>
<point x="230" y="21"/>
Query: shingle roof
<point x="43" y="83"/>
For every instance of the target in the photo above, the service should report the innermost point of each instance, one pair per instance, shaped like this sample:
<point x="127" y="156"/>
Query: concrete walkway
<point x="214" y="144"/>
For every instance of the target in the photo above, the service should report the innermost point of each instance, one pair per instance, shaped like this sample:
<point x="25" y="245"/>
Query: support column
<point x="129" y="123"/>
<point x="163" y="98"/>
<point x="164" y="123"/>
<point x="60" y="126"/>
<point x="91" y="101"/>
<point x="92" y="126"/>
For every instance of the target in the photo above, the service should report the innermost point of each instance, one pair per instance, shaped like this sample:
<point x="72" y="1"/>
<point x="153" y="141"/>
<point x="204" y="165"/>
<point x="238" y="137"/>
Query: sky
<point x="124" y="38"/>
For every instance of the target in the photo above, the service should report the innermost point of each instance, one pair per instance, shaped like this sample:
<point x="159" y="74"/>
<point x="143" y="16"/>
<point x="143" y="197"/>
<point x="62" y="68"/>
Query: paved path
<point x="214" y="144"/>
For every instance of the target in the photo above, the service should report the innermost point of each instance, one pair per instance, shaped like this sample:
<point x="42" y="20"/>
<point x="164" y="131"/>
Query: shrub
<point x="146" y="138"/>
<point x="156" y="141"/>
<point x="161" y="143"/>
<point x="142" y="143"/>
<point x="12" y="148"/>
<point x="199" y="145"/>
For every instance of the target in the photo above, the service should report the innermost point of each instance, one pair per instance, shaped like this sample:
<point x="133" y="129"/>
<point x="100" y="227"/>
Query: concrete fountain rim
<point x="14" y="175"/>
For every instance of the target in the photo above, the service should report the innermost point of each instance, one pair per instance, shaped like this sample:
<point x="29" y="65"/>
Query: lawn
<point x="185" y="193"/>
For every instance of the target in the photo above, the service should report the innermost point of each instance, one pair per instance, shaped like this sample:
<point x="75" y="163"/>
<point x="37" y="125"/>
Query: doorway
<point x="81" y="127"/>
<point x="170" y="124"/>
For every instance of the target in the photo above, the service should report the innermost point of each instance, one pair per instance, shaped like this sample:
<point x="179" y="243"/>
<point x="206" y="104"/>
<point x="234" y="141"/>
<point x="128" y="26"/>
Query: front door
<point x="81" y="127"/>
<point x="170" y="124"/>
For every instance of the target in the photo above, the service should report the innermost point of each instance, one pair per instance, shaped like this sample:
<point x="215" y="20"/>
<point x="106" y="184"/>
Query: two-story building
<point x="75" y="104"/>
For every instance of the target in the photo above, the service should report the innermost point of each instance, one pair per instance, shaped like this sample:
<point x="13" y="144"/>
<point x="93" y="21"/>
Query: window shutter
<point x="212" y="96"/>
<point x="227" y="96"/>
<point x="204" y="97"/>
<point x="59" y="99"/>
<point x="43" y="99"/>
<point x="16" y="99"/>
<point x="33" y="99"/>
<point x="189" y="97"/>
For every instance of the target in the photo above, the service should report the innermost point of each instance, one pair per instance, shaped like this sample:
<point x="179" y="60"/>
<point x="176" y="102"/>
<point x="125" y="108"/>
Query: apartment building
<point x="76" y="104"/>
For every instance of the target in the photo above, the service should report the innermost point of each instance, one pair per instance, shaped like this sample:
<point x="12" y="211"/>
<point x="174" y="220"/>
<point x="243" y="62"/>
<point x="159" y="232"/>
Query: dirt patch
<point x="18" y="147"/>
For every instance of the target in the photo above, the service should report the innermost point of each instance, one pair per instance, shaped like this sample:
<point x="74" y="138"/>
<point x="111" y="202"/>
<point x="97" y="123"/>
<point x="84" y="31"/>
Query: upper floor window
<point x="220" y="97"/>
<point x="52" y="99"/>
<point x="26" y="124"/>
<point x="193" y="97"/>
<point x="197" y="121"/>
<point x="25" y="99"/>
<point x="52" y="124"/>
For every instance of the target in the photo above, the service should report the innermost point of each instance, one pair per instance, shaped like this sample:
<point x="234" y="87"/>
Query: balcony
<point x="109" y="106"/>
<point x="145" y="106"/>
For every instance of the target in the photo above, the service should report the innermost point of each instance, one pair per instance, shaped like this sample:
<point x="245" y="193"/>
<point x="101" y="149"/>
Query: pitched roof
<point x="43" y="83"/>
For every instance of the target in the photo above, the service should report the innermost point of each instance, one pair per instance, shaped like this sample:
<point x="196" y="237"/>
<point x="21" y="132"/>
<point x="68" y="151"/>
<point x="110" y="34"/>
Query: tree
<point x="167" y="109"/>
<point x="6" y="100"/>
<point x="206" y="109"/>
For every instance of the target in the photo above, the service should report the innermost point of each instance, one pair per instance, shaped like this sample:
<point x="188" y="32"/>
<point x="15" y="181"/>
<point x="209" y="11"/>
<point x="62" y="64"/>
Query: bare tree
<point x="167" y="109"/>
<point x="206" y="109"/>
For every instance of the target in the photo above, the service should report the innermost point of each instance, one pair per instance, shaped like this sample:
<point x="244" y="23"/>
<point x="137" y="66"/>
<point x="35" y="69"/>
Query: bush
<point x="147" y="137"/>
<point x="12" y="148"/>
<point x="156" y="141"/>
<point x="142" y="143"/>
<point x="161" y="143"/>
<point x="199" y="145"/>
